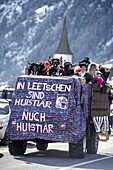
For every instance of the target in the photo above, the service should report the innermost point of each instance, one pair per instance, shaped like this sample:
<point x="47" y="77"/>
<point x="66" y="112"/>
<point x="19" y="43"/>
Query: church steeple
<point x="63" y="48"/>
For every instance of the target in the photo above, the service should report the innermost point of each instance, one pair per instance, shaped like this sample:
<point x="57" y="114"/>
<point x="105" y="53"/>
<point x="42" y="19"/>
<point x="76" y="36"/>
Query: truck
<point x="47" y="109"/>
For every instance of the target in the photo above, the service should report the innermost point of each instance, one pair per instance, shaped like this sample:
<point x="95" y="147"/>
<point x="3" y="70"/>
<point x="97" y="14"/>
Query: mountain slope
<point x="31" y="30"/>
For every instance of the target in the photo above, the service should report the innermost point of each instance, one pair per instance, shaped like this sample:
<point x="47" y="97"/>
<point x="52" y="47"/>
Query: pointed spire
<point x="63" y="47"/>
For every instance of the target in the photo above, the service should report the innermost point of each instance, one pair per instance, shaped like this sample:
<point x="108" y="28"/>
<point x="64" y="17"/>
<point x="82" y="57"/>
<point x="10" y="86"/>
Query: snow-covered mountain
<point x="31" y="30"/>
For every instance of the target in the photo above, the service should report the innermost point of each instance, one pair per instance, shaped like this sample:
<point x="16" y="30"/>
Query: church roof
<point x="63" y="47"/>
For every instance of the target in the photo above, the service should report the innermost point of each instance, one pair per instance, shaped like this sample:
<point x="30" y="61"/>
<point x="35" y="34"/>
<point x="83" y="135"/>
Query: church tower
<point x="63" y="50"/>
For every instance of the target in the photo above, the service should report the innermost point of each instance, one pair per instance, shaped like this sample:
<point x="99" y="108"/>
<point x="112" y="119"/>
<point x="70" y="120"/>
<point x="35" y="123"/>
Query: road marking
<point x="84" y="163"/>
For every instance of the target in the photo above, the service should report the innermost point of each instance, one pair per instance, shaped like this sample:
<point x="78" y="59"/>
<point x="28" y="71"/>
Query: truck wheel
<point x="17" y="147"/>
<point x="42" y="146"/>
<point x="78" y="150"/>
<point x="92" y="142"/>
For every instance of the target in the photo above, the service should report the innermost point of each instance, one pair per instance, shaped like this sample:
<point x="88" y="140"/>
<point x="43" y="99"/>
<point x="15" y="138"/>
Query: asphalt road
<point x="56" y="158"/>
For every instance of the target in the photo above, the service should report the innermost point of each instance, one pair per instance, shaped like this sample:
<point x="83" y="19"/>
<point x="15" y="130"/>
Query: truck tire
<point x="78" y="150"/>
<point x="92" y="142"/>
<point x="42" y="146"/>
<point x="17" y="147"/>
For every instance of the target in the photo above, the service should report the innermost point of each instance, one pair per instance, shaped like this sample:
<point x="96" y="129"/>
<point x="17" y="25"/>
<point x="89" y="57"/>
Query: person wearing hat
<point x="68" y="69"/>
<point x="86" y="61"/>
<point x="54" y="67"/>
<point x="105" y="73"/>
<point x="83" y="73"/>
<point x="99" y="79"/>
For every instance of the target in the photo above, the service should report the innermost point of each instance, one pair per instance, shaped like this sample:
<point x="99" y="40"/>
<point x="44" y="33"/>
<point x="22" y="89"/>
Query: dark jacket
<point x="87" y="76"/>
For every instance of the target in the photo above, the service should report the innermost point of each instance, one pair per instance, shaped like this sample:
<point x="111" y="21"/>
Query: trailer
<point x="46" y="109"/>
